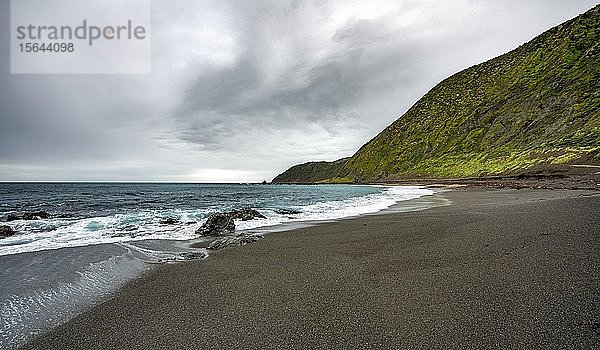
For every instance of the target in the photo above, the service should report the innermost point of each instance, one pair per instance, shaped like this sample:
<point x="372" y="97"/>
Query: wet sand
<point x="501" y="269"/>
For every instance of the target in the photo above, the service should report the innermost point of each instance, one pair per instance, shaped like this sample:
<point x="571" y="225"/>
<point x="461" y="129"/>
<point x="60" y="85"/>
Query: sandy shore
<point x="502" y="269"/>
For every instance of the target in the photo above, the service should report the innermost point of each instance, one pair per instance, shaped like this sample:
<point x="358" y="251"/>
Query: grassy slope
<point x="537" y="104"/>
<point x="326" y="172"/>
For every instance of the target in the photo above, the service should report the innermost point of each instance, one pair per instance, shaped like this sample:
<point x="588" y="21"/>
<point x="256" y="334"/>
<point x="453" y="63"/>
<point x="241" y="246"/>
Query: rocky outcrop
<point x="6" y="231"/>
<point x="36" y="215"/>
<point x="218" y="224"/>
<point x="221" y="224"/>
<point x="233" y="241"/>
<point x="246" y="214"/>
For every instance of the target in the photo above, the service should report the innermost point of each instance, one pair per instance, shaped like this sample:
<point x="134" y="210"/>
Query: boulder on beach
<point x="246" y="214"/>
<point x="6" y="231"/>
<point x="36" y="215"/>
<point x="233" y="240"/>
<point x="218" y="224"/>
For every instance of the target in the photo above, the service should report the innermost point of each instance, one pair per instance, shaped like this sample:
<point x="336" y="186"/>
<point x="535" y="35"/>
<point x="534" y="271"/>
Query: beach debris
<point x="233" y="240"/>
<point x="287" y="211"/>
<point x="6" y="231"/>
<point x="246" y="214"/>
<point x="218" y="224"/>
<point x="36" y="215"/>
<point x="185" y="256"/>
<point x="169" y="221"/>
<point x="192" y="255"/>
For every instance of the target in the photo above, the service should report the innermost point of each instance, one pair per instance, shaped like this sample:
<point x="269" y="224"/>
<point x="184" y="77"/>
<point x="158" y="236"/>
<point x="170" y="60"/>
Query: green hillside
<point x="315" y="172"/>
<point x="538" y="104"/>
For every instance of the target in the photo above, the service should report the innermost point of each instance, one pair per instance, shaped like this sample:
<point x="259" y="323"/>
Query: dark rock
<point x="218" y="224"/>
<point x="36" y="215"/>
<point x="6" y="231"/>
<point x="169" y="221"/>
<point x="287" y="212"/>
<point x="246" y="214"/>
<point x="12" y="217"/>
<point x="191" y="222"/>
<point x="233" y="240"/>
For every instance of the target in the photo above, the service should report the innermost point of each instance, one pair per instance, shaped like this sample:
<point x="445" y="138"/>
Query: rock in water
<point x="233" y="240"/>
<point x="169" y="221"/>
<point x="246" y="214"/>
<point x="12" y="217"/>
<point x="218" y="224"/>
<point x="36" y="215"/>
<point x="6" y="231"/>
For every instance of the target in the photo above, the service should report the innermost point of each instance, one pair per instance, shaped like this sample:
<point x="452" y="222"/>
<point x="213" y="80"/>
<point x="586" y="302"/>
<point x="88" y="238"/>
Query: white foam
<point x="97" y="230"/>
<point x="332" y="210"/>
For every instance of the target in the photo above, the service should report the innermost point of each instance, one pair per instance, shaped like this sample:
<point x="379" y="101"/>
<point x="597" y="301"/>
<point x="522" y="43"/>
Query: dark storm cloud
<point x="327" y="90"/>
<point x="242" y="89"/>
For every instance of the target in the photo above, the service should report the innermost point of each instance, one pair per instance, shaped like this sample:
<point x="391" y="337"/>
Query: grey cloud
<point x="247" y="88"/>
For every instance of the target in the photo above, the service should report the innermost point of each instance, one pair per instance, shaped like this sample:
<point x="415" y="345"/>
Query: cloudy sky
<point x="240" y="90"/>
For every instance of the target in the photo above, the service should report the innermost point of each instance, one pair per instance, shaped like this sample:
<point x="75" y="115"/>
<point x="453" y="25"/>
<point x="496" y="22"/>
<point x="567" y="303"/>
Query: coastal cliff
<point x="534" y="107"/>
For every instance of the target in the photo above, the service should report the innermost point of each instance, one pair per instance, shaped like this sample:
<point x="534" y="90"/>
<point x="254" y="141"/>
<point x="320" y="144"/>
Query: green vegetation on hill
<point x="538" y="104"/>
<point x="312" y="172"/>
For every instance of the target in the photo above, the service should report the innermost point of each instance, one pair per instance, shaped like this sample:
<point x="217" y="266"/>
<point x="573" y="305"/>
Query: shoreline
<point x="547" y="176"/>
<point x="31" y="311"/>
<point x="91" y="230"/>
<point x="317" y="286"/>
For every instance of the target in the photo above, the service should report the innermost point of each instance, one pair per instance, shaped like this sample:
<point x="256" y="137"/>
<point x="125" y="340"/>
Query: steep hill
<point x="538" y="104"/>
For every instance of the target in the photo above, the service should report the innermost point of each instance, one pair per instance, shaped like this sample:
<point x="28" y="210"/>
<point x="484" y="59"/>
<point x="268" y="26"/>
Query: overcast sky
<point x="240" y="90"/>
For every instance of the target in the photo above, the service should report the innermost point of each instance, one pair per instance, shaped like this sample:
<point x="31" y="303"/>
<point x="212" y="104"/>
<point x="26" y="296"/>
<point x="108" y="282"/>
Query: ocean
<point x="101" y="235"/>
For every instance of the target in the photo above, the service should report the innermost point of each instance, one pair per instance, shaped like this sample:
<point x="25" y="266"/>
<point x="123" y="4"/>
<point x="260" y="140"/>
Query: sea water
<point x="86" y="213"/>
<point x="101" y="235"/>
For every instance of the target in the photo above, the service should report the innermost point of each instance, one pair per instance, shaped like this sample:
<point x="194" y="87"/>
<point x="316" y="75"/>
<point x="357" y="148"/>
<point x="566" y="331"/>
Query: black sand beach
<point x="501" y="269"/>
